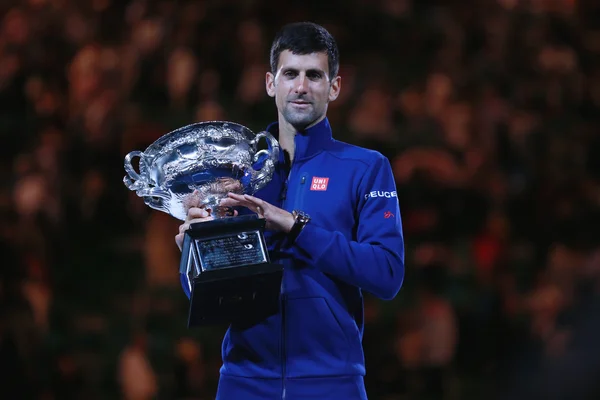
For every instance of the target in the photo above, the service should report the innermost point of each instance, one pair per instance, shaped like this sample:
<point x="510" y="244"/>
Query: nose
<point x="301" y="84"/>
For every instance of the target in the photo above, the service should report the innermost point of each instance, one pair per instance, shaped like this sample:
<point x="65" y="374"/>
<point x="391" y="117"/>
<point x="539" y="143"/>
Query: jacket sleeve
<point x="374" y="259"/>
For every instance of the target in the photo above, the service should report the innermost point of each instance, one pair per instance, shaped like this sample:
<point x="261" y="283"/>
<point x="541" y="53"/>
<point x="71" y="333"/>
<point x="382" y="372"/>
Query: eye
<point x="290" y="74"/>
<point x="314" y="76"/>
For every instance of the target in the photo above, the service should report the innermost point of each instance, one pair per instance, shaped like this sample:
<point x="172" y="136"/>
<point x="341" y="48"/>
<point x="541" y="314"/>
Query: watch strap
<point x="300" y="221"/>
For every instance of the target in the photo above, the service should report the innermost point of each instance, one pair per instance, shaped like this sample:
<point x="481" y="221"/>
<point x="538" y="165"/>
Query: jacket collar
<point x="310" y="141"/>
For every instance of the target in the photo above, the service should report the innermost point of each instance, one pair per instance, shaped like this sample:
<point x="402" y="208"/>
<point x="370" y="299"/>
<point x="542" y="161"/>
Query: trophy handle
<point x="268" y="157"/>
<point x="273" y="148"/>
<point x="133" y="181"/>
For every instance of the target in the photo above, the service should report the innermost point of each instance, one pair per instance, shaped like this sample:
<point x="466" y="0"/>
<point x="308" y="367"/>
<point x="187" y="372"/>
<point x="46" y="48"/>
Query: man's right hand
<point x="195" y="214"/>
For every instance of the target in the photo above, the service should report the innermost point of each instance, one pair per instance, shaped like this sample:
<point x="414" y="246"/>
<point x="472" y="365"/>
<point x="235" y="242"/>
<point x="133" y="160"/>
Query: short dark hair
<point x="305" y="38"/>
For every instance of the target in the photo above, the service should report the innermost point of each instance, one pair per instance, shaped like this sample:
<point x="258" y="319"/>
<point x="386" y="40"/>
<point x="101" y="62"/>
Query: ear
<point x="270" y="84"/>
<point x="334" y="89"/>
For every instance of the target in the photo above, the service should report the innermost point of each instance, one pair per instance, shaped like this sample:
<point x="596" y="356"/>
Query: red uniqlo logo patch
<point x="319" y="183"/>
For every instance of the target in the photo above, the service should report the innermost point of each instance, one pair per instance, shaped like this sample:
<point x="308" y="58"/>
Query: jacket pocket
<point x="253" y="352"/>
<point x="317" y="342"/>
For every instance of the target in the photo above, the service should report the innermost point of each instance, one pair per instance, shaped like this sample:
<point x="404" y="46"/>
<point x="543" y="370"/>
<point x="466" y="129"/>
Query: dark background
<point x="488" y="111"/>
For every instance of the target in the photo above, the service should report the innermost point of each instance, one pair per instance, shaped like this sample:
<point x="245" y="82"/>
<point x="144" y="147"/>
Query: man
<point x="333" y="221"/>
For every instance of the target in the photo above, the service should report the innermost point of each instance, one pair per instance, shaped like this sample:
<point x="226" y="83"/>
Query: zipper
<point x="298" y="202"/>
<point x="301" y="193"/>
<point x="283" y="352"/>
<point x="283" y="298"/>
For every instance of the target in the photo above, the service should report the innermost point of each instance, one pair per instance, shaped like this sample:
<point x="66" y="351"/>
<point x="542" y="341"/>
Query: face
<point x="302" y="88"/>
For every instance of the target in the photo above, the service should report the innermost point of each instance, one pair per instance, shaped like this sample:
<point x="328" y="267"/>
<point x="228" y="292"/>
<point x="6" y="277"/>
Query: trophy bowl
<point x="225" y="269"/>
<point x="199" y="164"/>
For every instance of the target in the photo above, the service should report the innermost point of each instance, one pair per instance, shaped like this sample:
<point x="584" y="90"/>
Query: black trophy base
<point x="240" y="295"/>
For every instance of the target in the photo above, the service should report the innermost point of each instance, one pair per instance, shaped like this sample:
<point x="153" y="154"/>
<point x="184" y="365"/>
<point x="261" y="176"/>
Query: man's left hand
<point x="277" y="219"/>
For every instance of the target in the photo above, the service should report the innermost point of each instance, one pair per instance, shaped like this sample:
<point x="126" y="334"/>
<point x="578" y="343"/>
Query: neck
<point x="287" y="132"/>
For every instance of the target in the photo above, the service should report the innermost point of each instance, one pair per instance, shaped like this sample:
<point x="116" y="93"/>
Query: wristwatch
<point x="300" y="220"/>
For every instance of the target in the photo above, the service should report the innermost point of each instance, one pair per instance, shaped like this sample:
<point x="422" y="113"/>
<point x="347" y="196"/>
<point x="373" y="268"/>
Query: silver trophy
<point x="225" y="268"/>
<point x="213" y="158"/>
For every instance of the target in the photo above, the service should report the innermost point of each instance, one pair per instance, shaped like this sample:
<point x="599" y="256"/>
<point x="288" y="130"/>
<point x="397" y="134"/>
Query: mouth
<point x="300" y="103"/>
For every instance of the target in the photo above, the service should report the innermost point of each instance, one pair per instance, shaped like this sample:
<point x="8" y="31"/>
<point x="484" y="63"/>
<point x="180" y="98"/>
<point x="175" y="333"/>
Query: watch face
<point x="302" y="216"/>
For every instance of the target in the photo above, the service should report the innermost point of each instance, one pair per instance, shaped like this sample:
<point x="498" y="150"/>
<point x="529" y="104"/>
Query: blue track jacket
<point x="312" y="349"/>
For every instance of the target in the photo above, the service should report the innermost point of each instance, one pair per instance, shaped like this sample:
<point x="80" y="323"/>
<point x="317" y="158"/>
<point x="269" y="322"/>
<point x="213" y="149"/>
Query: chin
<point x="301" y="125"/>
<point x="300" y="121"/>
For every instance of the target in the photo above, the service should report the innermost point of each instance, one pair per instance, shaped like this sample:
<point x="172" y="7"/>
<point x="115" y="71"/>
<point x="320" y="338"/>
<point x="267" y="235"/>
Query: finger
<point x="197" y="212"/>
<point x="179" y="240"/>
<point x="186" y="226"/>
<point x="255" y="200"/>
<point x="236" y="203"/>
<point x="235" y="196"/>
<point x="247" y="200"/>
<point x="253" y="203"/>
<point x="227" y="202"/>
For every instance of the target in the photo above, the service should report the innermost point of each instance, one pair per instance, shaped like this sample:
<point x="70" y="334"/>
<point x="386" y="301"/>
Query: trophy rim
<point x="158" y="146"/>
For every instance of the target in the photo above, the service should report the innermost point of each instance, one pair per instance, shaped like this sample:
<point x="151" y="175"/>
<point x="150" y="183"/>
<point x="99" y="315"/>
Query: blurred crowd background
<point x="487" y="109"/>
